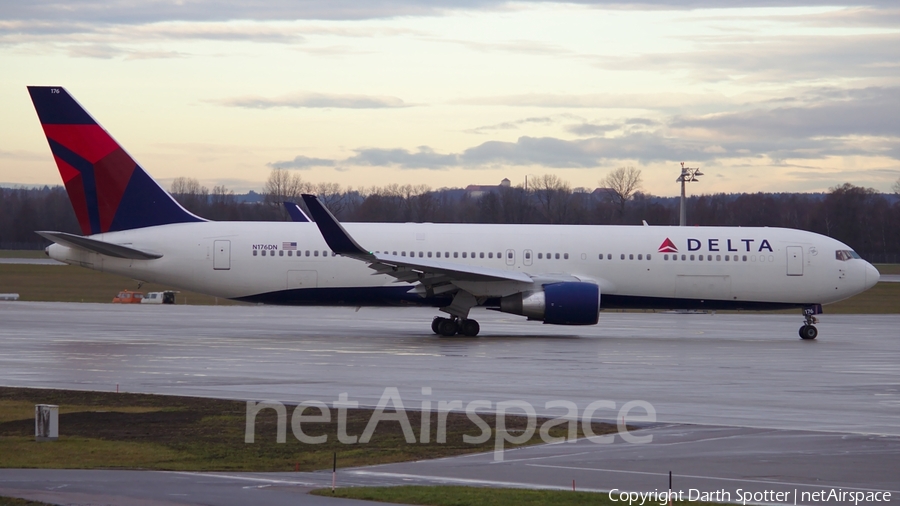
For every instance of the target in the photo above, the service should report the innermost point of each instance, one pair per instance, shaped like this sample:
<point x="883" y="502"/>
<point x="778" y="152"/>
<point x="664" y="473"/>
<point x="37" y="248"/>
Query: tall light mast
<point x="688" y="175"/>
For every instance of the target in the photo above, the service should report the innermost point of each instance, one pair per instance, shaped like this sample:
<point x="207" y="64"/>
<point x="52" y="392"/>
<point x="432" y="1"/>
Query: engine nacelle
<point x="566" y="303"/>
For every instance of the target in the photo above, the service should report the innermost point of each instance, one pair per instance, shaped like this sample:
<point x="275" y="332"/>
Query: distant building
<point x="476" y="191"/>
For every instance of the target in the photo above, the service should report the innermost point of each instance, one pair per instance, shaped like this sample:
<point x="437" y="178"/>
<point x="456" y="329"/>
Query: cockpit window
<point x="845" y="254"/>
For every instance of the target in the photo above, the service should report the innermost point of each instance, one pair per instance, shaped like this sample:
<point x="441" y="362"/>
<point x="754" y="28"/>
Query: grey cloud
<point x="302" y="162"/>
<point x="511" y="125"/>
<point x="870" y="111"/>
<point x="774" y="59"/>
<point x="424" y="158"/>
<point x="148" y="11"/>
<point x="586" y="129"/>
<point x="317" y="100"/>
<point x="654" y="101"/>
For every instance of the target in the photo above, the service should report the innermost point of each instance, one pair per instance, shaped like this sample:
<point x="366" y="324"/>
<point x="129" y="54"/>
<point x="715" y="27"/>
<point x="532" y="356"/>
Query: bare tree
<point x="896" y="186"/>
<point x="282" y="185"/>
<point x="190" y="193"/>
<point x="554" y="196"/>
<point x="623" y="183"/>
<point x="334" y="198"/>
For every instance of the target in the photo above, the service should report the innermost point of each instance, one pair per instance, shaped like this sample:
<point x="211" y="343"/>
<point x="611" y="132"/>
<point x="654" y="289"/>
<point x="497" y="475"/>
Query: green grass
<point x="137" y="431"/>
<point x="22" y="253"/>
<point x="446" y="495"/>
<point x="13" y="501"/>
<point x="888" y="268"/>
<point x="68" y="283"/>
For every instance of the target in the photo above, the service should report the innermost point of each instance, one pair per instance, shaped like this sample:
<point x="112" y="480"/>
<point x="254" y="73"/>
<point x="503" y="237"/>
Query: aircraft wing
<point x="95" y="246"/>
<point x="436" y="276"/>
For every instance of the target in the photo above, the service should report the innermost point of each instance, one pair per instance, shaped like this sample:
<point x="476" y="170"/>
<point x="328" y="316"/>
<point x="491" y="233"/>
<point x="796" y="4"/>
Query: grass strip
<point x="449" y="495"/>
<point x="14" y="501"/>
<point x="100" y="430"/>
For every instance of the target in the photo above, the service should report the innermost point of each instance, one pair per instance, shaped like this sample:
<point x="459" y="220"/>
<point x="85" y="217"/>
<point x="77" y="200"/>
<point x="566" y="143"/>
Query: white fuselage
<point x="249" y="259"/>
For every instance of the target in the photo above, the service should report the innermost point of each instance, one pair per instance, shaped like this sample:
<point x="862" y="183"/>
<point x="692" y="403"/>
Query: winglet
<point x="337" y="238"/>
<point x="296" y="213"/>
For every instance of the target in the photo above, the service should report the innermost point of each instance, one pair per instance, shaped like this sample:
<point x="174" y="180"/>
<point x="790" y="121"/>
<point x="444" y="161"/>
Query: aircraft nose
<point x="872" y="275"/>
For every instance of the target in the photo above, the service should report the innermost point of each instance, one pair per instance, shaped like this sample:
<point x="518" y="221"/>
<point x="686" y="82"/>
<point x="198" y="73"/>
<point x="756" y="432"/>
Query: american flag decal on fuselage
<point x="289" y="246"/>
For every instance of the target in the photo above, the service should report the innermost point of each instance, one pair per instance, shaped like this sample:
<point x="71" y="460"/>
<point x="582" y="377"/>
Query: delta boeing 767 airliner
<point x="558" y="274"/>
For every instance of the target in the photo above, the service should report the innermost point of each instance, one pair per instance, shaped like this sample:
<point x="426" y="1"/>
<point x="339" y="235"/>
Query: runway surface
<point x="740" y="400"/>
<point x="746" y="370"/>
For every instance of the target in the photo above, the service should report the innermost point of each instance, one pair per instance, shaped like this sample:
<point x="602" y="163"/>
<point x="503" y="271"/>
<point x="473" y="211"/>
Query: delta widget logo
<point x="668" y="246"/>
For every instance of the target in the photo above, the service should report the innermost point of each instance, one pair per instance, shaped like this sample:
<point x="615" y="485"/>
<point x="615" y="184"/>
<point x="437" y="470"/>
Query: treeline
<point x="866" y="220"/>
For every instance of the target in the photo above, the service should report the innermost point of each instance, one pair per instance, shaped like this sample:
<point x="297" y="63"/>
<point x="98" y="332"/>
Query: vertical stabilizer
<point x="109" y="191"/>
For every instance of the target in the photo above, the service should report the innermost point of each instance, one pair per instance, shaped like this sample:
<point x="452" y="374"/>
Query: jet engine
<point x="566" y="303"/>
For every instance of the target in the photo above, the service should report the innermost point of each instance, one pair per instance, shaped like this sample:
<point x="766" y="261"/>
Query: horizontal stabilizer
<point x="95" y="246"/>
<point x="297" y="214"/>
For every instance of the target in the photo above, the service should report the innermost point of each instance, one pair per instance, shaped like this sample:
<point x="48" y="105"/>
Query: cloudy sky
<point x="763" y="96"/>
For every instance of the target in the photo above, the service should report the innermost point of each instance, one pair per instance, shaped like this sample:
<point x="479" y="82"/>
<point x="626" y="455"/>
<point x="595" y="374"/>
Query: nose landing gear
<point x="808" y="331"/>
<point x="449" y="327"/>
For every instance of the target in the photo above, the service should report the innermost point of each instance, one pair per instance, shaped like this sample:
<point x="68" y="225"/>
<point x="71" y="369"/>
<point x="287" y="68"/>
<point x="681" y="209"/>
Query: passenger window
<point x="726" y="257"/>
<point x="709" y="258"/>
<point x="421" y="254"/>
<point x="665" y="257"/>
<point x="324" y="253"/>
<point x="718" y="258"/>
<point x="464" y="254"/>
<point x="403" y="253"/>
<point x="254" y="252"/>
<point x="509" y="255"/>
<point x="683" y="257"/>
<point x="565" y="256"/>
<point x="473" y="254"/>
<point x="446" y="254"/>
<point x="438" y="254"/>
<point x="557" y="256"/>
<point x="540" y="256"/>
<point x="609" y="256"/>
<point x="601" y="256"/>
<point x="745" y="258"/>
<point x="640" y="256"/>
<point x="490" y="254"/>
<point x="429" y="254"/>
<point x="281" y="253"/>
<point x="631" y="256"/>
<point x="700" y="257"/>
<point x="455" y="254"/>
<point x="648" y="256"/>
<point x="527" y="255"/>
<point x="481" y="255"/>
<point x="623" y="256"/>
<point x="316" y="253"/>
<point x="692" y="258"/>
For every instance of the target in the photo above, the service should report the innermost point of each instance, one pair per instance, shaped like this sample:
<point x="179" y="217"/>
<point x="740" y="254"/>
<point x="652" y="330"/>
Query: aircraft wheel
<point x="435" y="324"/>
<point x="808" y="332"/>
<point x="447" y="328"/>
<point x="470" y="328"/>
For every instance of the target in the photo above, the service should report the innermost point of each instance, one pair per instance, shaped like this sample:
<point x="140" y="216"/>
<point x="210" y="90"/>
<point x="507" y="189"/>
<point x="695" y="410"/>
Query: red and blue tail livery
<point x="109" y="191"/>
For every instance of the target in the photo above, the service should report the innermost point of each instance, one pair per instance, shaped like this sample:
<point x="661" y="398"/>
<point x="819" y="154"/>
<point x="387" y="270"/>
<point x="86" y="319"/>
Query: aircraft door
<point x="794" y="261"/>
<point x="526" y="257"/>
<point x="510" y="257"/>
<point x="221" y="255"/>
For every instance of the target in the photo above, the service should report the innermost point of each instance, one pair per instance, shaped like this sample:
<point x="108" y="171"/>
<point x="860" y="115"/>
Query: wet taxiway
<point x="740" y="400"/>
<point x="745" y="370"/>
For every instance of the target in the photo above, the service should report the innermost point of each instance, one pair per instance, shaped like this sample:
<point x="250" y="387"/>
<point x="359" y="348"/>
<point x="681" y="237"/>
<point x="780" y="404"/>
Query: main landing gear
<point x="449" y="327"/>
<point x="808" y="331"/>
